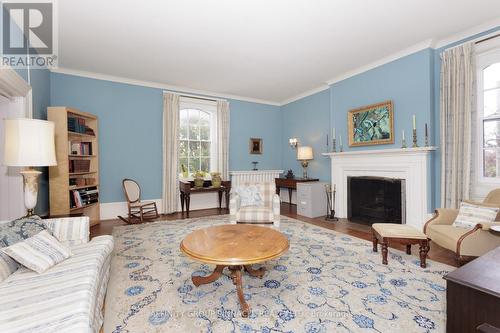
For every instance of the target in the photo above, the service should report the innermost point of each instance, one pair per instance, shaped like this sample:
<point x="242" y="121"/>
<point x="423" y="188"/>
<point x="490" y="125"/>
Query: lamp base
<point x="30" y="187"/>
<point x="304" y="163"/>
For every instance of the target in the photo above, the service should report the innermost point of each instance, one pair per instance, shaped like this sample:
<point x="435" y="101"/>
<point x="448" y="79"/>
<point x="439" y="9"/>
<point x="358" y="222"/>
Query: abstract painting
<point x="371" y="125"/>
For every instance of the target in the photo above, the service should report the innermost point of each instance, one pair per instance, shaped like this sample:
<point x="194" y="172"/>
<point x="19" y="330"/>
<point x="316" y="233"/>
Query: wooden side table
<point x="186" y="188"/>
<point x="291" y="184"/>
<point x="473" y="295"/>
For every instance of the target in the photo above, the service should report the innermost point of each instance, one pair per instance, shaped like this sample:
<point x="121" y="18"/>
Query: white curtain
<point x="457" y="106"/>
<point x="223" y="138"/>
<point x="170" y="150"/>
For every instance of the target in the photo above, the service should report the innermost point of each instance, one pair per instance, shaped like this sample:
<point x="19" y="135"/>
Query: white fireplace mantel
<point x="410" y="164"/>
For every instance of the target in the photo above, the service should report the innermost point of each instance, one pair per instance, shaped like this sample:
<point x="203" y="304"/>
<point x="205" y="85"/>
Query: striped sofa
<point x="68" y="297"/>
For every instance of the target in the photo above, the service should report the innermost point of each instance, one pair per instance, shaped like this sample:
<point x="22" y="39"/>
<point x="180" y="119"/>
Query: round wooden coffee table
<point x="236" y="246"/>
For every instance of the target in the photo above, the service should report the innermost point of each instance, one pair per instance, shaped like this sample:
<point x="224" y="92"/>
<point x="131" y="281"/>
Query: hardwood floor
<point x="436" y="252"/>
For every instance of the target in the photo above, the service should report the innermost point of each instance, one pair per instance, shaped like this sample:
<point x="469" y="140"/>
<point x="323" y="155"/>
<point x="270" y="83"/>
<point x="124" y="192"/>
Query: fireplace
<point x="376" y="200"/>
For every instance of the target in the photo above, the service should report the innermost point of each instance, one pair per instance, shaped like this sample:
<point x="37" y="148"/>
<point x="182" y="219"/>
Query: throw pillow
<point x="7" y="266"/>
<point x="250" y="196"/>
<point x="39" y="252"/>
<point x="471" y="213"/>
<point x="20" y="229"/>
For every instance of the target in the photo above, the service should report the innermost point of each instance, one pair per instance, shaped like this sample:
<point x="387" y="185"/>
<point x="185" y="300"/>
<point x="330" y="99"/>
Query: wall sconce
<point x="293" y="142"/>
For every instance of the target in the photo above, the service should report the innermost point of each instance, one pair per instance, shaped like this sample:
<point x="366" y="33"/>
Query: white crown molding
<point x="403" y="53"/>
<point x="305" y="94"/>
<point x="467" y="33"/>
<point x="158" y="85"/>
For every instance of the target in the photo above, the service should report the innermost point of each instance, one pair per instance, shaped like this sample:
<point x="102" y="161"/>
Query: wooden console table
<point x="186" y="188"/>
<point x="473" y="295"/>
<point x="291" y="184"/>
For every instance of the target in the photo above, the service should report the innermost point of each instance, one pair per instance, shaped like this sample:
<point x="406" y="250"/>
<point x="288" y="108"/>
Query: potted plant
<point x="216" y="179"/>
<point x="199" y="178"/>
<point x="184" y="171"/>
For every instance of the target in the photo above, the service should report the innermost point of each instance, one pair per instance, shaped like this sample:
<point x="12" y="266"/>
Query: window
<point x="197" y="135"/>
<point x="488" y="126"/>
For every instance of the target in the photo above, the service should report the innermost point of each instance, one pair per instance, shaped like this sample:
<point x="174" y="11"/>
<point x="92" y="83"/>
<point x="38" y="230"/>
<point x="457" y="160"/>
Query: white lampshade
<point x="304" y="153"/>
<point x="29" y="143"/>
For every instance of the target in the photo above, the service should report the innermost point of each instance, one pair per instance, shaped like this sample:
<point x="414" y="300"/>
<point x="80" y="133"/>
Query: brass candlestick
<point x="415" y="143"/>
<point x="334" y="145"/>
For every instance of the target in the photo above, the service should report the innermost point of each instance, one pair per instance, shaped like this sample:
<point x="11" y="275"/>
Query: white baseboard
<point x="111" y="210"/>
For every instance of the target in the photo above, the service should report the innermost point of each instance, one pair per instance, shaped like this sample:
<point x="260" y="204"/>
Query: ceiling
<point x="270" y="50"/>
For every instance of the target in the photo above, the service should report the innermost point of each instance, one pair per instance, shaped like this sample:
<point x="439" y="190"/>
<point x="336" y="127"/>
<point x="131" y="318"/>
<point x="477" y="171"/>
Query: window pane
<point x="194" y="116"/>
<point x="205" y="149"/>
<point x="194" y="132"/>
<point x="491" y="102"/>
<point x="194" y="165"/>
<point x="491" y="76"/>
<point x="491" y="130"/>
<point x="183" y="148"/>
<point x="204" y="119"/>
<point x="490" y="162"/>
<point x="184" y="117"/>
<point x="183" y="132"/>
<point x="205" y="164"/>
<point x="194" y="149"/>
<point x="204" y="133"/>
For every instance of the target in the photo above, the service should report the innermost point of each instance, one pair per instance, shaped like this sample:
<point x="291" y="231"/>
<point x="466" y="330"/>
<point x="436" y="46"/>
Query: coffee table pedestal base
<point x="236" y="277"/>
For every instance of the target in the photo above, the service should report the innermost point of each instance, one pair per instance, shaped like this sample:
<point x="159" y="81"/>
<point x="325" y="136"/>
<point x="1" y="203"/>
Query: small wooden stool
<point x="401" y="233"/>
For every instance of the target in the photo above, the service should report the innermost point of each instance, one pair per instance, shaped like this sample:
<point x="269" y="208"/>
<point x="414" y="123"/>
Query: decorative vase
<point x="216" y="181"/>
<point x="198" y="182"/>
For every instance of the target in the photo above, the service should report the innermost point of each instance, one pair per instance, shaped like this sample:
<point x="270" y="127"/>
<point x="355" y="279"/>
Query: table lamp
<point x="304" y="155"/>
<point x="29" y="143"/>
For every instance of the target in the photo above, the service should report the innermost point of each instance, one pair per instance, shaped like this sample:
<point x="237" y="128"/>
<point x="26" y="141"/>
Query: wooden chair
<point x="137" y="209"/>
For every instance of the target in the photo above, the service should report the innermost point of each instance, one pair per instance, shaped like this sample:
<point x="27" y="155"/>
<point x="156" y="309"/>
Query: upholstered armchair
<point x="268" y="212"/>
<point x="467" y="243"/>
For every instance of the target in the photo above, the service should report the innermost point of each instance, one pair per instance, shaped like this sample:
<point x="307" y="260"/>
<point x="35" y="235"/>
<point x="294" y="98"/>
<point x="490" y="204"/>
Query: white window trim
<point x="487" y="53"/>
<point x="211" y="107"/>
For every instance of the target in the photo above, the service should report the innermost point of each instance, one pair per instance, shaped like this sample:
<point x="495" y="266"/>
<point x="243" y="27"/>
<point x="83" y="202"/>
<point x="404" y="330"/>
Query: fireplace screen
<point x="376" y="200"/>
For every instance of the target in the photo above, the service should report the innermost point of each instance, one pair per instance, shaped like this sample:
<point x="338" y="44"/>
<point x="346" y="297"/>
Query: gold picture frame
<point x="371" y="125"/>
<point x="255" y="146"/>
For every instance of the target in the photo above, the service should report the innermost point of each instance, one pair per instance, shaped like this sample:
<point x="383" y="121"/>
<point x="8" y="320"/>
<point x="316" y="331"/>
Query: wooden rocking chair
<point x="138" y="211"/>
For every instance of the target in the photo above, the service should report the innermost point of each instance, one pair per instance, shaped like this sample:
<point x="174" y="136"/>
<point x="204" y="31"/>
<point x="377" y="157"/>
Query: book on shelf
<point x="80" y="148"/>
<point x="84" y="197"/>
<point x="77" y="166"/>
<point x="77" y="125"/>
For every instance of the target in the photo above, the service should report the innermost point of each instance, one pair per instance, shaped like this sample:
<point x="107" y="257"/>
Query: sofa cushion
<point x="447" y="235"/>
<point x="63" y="298"/>
<point x="471" y="214"/>
<point x="250" y="195"/>
<point x="39" y="252"/>
<point x="254" y="214"/>
<point x="20" y="229"/>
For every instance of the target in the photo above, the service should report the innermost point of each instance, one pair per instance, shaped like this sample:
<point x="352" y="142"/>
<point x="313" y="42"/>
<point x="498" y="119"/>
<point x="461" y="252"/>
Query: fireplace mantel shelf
<point x="395" y="151"/>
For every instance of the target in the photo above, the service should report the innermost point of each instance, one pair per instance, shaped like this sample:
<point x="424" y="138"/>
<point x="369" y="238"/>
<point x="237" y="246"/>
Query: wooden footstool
<point x="401" y="233"/>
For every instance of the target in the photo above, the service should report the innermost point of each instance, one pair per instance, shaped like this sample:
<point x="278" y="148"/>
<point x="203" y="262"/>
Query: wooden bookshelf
<point x="59" y="176"/>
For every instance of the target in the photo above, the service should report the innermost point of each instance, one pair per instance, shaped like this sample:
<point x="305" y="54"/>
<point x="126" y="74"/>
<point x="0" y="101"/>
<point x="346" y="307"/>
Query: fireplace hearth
<point x="376" y="200"/>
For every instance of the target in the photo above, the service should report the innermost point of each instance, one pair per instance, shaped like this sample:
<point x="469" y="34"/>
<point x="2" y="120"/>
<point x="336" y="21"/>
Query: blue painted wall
<point x="130" y="131"/>
<point x="253" y="120"/>
<point x="308" y="120"/>
<point x="408" y="82"/>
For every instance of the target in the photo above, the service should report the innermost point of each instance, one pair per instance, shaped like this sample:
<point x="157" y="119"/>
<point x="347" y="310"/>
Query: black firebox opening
<point x="375" y="200"/>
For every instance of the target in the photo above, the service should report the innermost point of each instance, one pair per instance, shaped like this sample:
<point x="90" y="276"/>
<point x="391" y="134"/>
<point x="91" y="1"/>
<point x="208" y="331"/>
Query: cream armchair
<point x="467" y="243"/>
<point x="268" y="213"/>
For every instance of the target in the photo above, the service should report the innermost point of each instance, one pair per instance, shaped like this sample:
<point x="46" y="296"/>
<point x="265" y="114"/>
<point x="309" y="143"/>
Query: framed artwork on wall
<point x="371" y="125"/>
<point x="255" y="146"/>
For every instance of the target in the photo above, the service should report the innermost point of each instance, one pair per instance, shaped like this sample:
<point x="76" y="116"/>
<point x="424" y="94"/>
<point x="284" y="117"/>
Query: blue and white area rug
<point x="327" y="282"/>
